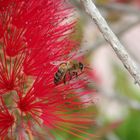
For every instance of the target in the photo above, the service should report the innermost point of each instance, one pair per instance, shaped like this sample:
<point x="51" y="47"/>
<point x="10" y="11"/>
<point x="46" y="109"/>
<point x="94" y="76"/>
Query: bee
<point x="71" y="68"/>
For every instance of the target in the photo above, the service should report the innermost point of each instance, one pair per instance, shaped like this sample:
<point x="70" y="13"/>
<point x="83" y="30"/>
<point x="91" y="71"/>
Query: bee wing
<point x="56" y="63"/>
<point x="77" y="54"/>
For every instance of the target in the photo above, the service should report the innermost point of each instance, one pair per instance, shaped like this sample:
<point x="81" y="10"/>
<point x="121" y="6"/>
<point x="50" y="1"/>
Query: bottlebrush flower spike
<point x="6" y="120"/>
<point x="11" y="76"/>
<point x="40" y="26"/>
<point x="33" y="34"/>
<point x="51" y="109"/>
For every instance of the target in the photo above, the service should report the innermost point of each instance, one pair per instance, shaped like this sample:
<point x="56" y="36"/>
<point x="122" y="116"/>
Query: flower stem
<point x="29" y="133"/>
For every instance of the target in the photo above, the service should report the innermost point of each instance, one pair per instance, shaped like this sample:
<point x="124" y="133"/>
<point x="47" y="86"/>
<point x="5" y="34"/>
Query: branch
<point x="124" y="8"/>
<point x="111" y="38"/>
<point x="118" y="7"/>
<point x="118" y="32"/>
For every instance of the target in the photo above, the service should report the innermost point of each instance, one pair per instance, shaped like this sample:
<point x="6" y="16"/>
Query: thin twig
<point x="111" y="38"/>
<point x="118" y="32"/>
<point x="123" y="8"/>
<point x="118" y="7"/>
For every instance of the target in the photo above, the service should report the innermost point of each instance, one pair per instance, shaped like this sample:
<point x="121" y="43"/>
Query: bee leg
<point x="76" y="74"/>
<point x="64" y="79"/>
<point x="70" y="75"/>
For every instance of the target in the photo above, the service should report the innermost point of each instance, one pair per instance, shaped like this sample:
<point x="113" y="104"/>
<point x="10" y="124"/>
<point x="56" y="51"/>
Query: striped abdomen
<point x="59" y="75"/>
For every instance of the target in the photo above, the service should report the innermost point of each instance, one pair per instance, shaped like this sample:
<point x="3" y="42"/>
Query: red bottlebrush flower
<point x="11" y="75"/>
<point x="6" y="120"/>
<point x="52" y="107"/>
<point x="33" y="35"/>
<point x="1" y="30"/>
<point x="42" y="27"/>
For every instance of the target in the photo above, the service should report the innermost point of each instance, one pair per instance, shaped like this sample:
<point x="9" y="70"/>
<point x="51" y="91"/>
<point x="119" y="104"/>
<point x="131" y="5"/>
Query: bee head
<point x="81" y="66"/>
